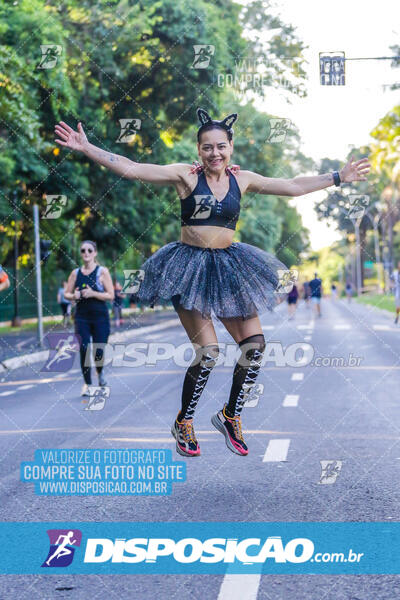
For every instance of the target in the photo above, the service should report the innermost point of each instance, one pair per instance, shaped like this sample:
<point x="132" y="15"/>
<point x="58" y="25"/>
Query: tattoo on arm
<point x="328" y="177"/>
<point x="107" y="155"/>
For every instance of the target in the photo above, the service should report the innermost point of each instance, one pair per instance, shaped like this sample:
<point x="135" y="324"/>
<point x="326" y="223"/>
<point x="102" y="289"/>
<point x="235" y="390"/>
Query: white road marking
<point x="25" y="387"/>
<point x="7" y="393"/>
<point x="290" y="400"/>
<point x="153" y="336"/>
<point x="307" y="338"/>
<point x="342" y="326"/>
<point x="297" y="376"/>
<point x="276" y="450"/>
<point x="239" y="587"/>
<point x="20" y="344"/>
<point x="268" y="327"/>
<point x="381" y="327"/>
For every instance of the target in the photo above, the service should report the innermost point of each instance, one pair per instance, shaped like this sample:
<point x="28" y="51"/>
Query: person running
<point x="316" y="293"/>
<point x="91" y="286"/>
<point x="65" y="304"/>
<point x="333" y="292"/>
<point x="349" y="291"/>
<point x="117" y="303"/>
<point x="395" y="277"/>
<point x="206" y="273"/>
<point x="292" y="298"/>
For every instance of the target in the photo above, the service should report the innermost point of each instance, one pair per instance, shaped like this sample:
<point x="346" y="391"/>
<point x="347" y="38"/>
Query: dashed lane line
<point x="297" y="376"/>
<point x="239" y="587"/>
<point x="290" y="400"/>
<point x="277" y="450"/>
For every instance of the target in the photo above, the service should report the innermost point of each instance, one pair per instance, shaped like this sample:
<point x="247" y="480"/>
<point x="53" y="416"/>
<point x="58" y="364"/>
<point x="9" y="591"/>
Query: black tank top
<point x="202" y="208"/>
<point x="90" y="307"/>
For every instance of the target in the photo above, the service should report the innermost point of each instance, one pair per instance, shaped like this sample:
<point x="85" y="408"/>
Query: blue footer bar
<point x="203" y="548"/>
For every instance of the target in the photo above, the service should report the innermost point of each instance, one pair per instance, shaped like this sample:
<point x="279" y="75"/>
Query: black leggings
<point x="99" y="329"/>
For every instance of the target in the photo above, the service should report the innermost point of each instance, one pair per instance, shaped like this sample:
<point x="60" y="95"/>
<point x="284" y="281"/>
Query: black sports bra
<point x="202" y="208"/>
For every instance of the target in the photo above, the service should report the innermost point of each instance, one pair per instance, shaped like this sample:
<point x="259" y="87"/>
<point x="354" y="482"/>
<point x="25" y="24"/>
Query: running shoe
<point x="231" y="428"/>
<point x="186" y="443"/>
<point x="85" y="390"/>
<point x="102" y="380"/>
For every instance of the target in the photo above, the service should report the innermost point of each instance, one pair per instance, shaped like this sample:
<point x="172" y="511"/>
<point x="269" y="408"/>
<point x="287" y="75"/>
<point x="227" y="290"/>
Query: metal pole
<point x="375" y="223"/>
<point x="390" y="238"/>
<point x="386" y="268"/>
<point x="373" y="58"/>
<point x="16" y="322"/>
<point x="377" y="253"/>
<point x="38" y="275"/>
<point x="358" y="255"/>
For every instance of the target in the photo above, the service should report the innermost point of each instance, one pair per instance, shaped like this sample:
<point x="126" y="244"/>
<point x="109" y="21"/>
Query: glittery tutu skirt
<point x="239" y="281"/>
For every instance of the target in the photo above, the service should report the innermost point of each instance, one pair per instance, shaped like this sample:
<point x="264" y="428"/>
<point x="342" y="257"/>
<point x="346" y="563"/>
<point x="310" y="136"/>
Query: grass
<point x="27" y="327"/>
<point x="378" y="300"/>
<point x="46" y="325"/>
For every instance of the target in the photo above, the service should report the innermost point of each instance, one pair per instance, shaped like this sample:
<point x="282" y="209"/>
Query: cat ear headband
<point x="226" y="123"/>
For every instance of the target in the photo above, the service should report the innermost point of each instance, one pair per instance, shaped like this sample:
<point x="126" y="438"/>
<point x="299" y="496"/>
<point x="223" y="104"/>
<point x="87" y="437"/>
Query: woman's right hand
<point x="76" y="140"/>
<point x="77" y="294"/>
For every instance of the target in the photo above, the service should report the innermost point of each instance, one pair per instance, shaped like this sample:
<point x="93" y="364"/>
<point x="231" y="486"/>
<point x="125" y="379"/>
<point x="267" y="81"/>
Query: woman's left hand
<point x="87" y="293"/>
<point x="355" y="171"/>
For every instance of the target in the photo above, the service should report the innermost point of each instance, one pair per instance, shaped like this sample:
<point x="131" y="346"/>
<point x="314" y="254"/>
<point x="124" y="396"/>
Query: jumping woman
<point x="206" y="273"/>
<point x="91" y="286"/>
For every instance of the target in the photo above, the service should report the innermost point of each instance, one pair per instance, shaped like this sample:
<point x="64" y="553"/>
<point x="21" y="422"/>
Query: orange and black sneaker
<point x="231" y="428"/>
<point x="186" y="443"/>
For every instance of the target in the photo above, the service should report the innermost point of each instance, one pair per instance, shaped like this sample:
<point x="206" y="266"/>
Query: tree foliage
<point x="123" y="59"/>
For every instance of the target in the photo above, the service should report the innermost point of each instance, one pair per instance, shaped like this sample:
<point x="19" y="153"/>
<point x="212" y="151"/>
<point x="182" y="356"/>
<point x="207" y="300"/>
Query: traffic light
<point x="332" y="68"/>
<point x="45" y="250"/>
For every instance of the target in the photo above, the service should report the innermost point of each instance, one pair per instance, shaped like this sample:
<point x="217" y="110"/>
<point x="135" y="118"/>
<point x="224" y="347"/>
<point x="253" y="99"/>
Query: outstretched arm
<point x="298" y="186"/>
<point x="150" y="173"/>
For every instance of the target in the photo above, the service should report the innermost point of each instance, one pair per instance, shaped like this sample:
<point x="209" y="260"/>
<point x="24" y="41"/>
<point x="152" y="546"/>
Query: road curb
<point x="24" y="360"/>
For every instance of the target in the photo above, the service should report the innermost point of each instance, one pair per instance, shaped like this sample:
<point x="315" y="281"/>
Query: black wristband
<point x="336" y="178"/>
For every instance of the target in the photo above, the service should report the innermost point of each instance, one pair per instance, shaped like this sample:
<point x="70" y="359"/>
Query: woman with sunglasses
<point x="91" y="286"/>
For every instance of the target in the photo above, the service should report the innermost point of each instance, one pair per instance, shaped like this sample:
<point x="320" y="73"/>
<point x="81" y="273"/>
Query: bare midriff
<point x="207" y="236"/>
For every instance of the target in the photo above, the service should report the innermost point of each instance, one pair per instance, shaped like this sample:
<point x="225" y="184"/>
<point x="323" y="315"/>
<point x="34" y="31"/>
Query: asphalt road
<point x="305" y="414"/>
<point x="17" y="343"/>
